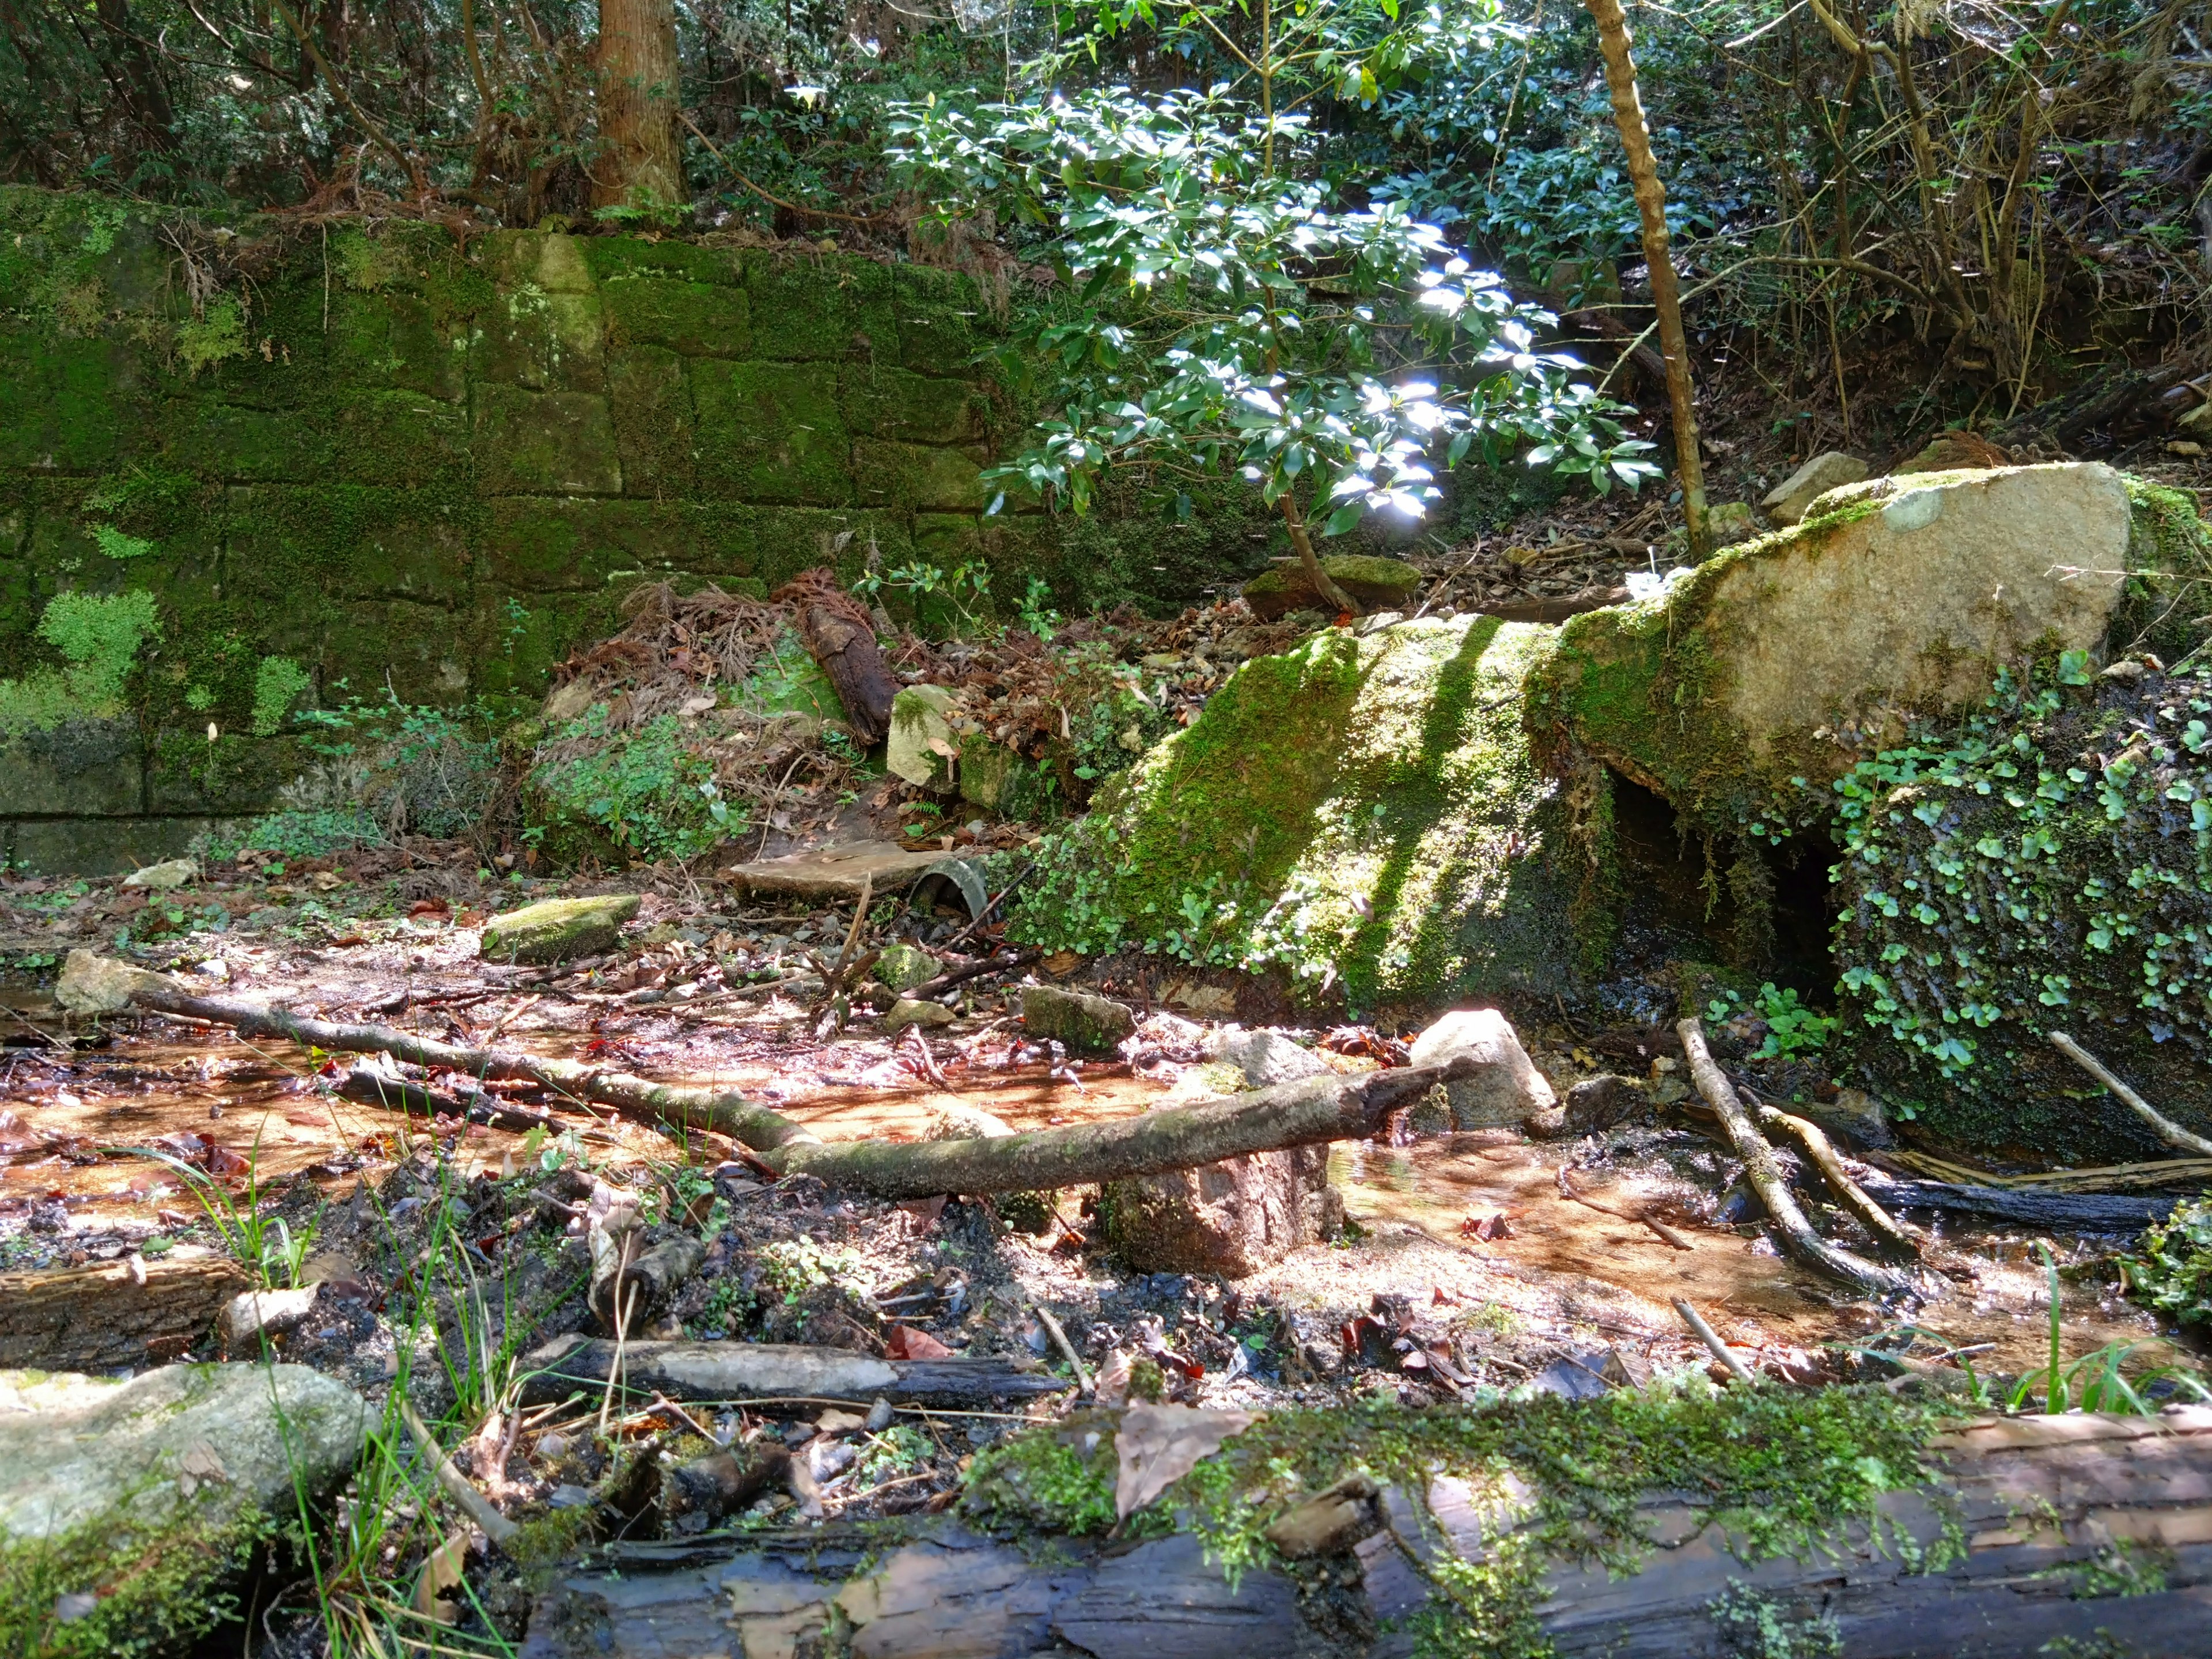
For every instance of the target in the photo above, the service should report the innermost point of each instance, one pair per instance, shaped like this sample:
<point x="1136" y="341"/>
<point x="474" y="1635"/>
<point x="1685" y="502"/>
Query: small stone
<point x="1376" y="582"/>
<point x="1597" y="1104"/>
<point x="907" y="1011"/>
<point x="902" y="967"/>
<point x="1506" y="1088"/>
<point x="880" y="1415"/>
<point x="163" y="876"/>
<point x="1265" y="1058"/>
<point x="77" y="1604"/>
<point x="2185" y="447"/>
<point x="920" y="747"/>
<point x="1786" y="502"/>
<point x="251" y="1315"/>
<point x="1730" y="522"/>
<point x="557" y="930"/>
<point x="1086" y="1025"/>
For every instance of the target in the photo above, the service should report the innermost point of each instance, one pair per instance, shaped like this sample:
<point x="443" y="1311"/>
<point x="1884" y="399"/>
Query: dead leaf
<point x="905" y="1342"/>
<point x="200" y="1466"/>
<point x="1112" y="1387"/>
<point x="1484" y="1229"/>
<point x="806" y="1489"/>
<point x="1159" y="1445"/>
<point x="924" y="1212"/>
<point x="441" y="1572"/>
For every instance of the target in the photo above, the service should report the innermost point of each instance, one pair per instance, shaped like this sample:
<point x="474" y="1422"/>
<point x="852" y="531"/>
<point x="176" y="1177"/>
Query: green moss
<point x="1056" y="1479"/>
<point x="2169" y="560"/>
<point x="159" y="1590"/>
<point x="97" y="637"/>
<point x="1362" y="812"/>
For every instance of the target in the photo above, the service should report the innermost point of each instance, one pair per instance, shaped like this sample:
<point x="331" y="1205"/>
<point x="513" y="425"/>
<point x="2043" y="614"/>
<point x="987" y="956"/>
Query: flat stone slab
<point x="833" y="872"/>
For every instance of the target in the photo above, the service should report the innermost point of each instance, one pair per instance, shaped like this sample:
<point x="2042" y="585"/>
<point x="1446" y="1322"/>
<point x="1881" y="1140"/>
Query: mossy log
<point x="113" y="1315"/>
<point x="1306" y="1113"/>
<point x="764" y="1371"/>
<point x="2030" y="1536"/>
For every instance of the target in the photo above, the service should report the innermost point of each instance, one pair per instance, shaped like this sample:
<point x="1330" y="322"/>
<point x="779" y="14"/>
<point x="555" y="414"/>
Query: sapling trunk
<point x="1301" y="542"/>
<point x="1659" y="255"/>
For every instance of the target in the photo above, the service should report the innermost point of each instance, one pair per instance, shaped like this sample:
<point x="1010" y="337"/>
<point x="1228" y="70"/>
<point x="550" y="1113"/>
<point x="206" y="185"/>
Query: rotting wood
<point x="1794" y="1232"/>
<point x="1306" y="1113"/>
<point x="758" y="1370"/>
<point x="843" y="640"/>
<point x="1711" y="1338"/>
<point x="455" y="1485"/>
<point x="2096" y="1213"/>
<point x="1890" y="1238"/>
<point x="2022" y="1515"/>
<point x="113" y="1315"/>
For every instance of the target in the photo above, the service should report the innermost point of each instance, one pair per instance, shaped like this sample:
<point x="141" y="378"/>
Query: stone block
<point x="918" y="475"/>
<point x="937" y="313"/>
<point x="896" y="404"/>
<point x="654" y="430"/>
<point x="695" y="320"/>
<point x="805" y="307"/>
<point x="401" y="439"/>
<point x="104" y="847"/>
<point x="80" y="768"/>
<point x="771" y="433"/>
<point x="62" y="402"/>
<point x="546" y="342"/>
<point x="1235" y="1218"/>
<point x="234" y="776"/>
<point x="246" y="445"/>
<point x="545" y="443"/>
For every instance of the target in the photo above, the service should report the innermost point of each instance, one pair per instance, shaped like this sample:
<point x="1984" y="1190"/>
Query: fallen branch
<point x="765" y="1370"/>
<point x="1306" y="1113"/>
<point x="1719" y="1350"/>
<point x="1794" y="1232"/>
<point x="1892" y="1239"/>
<point x="2088" y="1212"/>
<point x="2173" y="1134"/>
<point x="456" y="1486"/>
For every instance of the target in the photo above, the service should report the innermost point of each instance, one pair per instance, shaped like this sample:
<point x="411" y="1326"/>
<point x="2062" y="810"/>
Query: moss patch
<point x="156" y="1590"/>
<point x="1364" y="812"/>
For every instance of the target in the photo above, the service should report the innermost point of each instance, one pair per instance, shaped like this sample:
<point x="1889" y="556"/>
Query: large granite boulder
<point x="128" y="1509"/>
<point x="1505" y="1088"/>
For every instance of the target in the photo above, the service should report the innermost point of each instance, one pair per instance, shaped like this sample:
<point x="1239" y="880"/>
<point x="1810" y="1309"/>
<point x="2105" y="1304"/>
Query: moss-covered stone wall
<point x="416" y="465"/>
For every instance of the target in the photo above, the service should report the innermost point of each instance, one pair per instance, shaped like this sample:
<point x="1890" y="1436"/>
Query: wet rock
<point x="1597" y="1104"/>
<point x="143" y="1500"/>
<point x="1265" y="1058"/>
<point x="1377" y="583"/>
<point x="902" y="967"/>
<point x="1233" y="1217"/>
<point x="1086" y="1025"/>
<point x="1506" y="1089"/>
<point x="907" y="1011"/>
<point x="93" y="984"/>
<point x="1786" y="502"/>
<point x="251" y="1315"/>
<point x="1853" y="1114"/>
<point x="921" y="748"/>
<point x="558" y="930"/>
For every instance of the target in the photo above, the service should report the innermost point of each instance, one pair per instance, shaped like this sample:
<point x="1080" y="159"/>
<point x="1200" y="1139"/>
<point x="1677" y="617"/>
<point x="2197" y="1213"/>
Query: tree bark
<point x="840" y="637"/>
<point x="1303" y="1113"/>
<point x="1302" y="544"/>
<point x="2023" y="1518"/>
<point x="640" y="164"/>
<point x="773" y="1370"/>
<point x="1659" y="255"/>
<point x="113" y="1315"/>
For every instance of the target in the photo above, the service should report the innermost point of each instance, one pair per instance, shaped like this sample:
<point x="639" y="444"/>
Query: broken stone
<point x="1597" y="1104"/>
<point x="164" y="877"/>
<point x="1233" y="1218"/>
<point x="251" y="1315"/>
<point x="1786" y="502"/>
<point x="833" y="872"/>
<point x="902" y="967"/>
<point x="1506" y="1089"/>
<point x="1085" y="1024"/>
<point x="1265" y="1058"/>
<point x="1376" y="582"/>
<point x="921" y="748"/>
<point x="1329" y="1521"/>
<point x="907" y="1011"/>
<point x="94" y="984"/>
<point x="558" y="930"/>
<point x="150" y="1495"/>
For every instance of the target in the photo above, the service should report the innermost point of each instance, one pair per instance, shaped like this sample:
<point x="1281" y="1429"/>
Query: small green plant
<point x="2172" y="1273"/>
<point x="2095" y="1383"/>
<point x="278" y="684"/>
<point x="117" y="545"/>
<point x="645" y="789"/>
<point x="1792" y="1029"/>
<point x="900" y="1450"/>
<point x="98" y="636"/>
<point x="966" y="588"/>
<point x="792" y="1267"/>
<point x="265" y="1244"/>
<point x="1036" y="613"/>
<point x="1752" y="1625"/>
<point x="215" y="338"/>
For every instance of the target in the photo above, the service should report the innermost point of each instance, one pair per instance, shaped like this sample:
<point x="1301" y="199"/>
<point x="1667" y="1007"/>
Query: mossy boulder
<point x="558" y="930"/>
<point x="1365" y="812"/>
<point x="129" y="1511"/>
<point x="1771" y="669"/>
<point x="2044" y="866"/>
<point x="1378" y="582"/>
<point x="1083" y="1023"/>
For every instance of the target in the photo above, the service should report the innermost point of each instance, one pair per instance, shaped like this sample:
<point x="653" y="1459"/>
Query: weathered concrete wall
<point x="404" y="463"/>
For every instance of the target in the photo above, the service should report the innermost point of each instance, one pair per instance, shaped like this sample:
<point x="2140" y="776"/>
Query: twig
<point x="1795" y="1232"/>
<point x="791" y="206"/>
<point x="2175" y="1135"/>
<point x="1059" y="1337"/>
<point x="457" y="1486"/>
<point x="1720" y="1350"/>
<point x="1889" y="1236"/>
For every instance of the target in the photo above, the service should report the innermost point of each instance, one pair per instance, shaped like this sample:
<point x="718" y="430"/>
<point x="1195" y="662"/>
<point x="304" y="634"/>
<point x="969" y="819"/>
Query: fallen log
<point x="1889" y="1237"/>
<point x="1794" y="1232"/>
<point x="365" y="1087"/>
<point x="117" y="1315"/>
<point x="772" y="1370"/>
<point x="1306" y="1113"/>
<point x="843" y="640"/>
<point x="2027" y="1535"/>
<point x="2086" y="1212"/>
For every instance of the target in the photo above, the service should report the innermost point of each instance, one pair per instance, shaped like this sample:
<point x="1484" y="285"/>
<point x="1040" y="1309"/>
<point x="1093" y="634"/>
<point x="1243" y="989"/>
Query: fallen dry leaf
<point x="905" y="1342"/>
<point x="1112" y="1388"/>
<point x="1159" y="1444"/>
<point x="441" y="1572"/>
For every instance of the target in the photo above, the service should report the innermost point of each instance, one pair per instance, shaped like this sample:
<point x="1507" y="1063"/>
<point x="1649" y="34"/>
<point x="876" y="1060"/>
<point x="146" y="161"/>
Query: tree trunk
<point x="1306" y="1113"/>
<point x="113" y="1315"/>
<point x="1302" y="544"/>
<point x="842" y="638"/>
<point x="640" y="165"/>
<point x="1659" y="255"/>
<point x="2047" y="1530"/>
